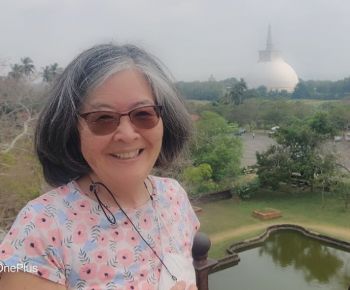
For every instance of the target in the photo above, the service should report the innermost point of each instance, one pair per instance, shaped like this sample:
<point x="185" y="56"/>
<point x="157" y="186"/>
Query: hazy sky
<point x="194" y="38"/>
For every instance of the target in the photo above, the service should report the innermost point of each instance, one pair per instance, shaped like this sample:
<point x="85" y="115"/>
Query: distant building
<point x="211" y="79"/>
<point x="271" y="70"/>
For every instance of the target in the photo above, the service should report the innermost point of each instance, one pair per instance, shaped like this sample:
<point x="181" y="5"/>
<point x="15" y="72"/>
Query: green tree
<point x="298" y="154"/>
<point x="342" y="189"/>
<point x="322" y="124"/>
<point x="236" y="94"/>
<point x="16" y="71"/>
<point x="301" y="91"/>
<point x="198" y="179"/>
<point x="50" y="72"/>
<point x="216" y="145"/>
<point x="27" y="66"/>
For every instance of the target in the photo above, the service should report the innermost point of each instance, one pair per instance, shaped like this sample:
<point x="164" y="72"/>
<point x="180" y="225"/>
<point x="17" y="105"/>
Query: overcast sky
<point x="194" y="38"/>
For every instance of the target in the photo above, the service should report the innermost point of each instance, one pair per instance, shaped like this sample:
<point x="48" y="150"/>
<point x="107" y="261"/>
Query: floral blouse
<point x="65" y="237"/>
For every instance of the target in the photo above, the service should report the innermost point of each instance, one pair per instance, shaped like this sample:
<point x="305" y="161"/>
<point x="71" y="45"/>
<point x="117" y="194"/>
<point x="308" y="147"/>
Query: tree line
<point x="26" y="69"/>
<point x="215" y="90"/>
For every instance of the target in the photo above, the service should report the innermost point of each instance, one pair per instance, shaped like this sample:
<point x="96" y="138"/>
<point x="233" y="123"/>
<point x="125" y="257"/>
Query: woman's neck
<point x="131" y="196"/>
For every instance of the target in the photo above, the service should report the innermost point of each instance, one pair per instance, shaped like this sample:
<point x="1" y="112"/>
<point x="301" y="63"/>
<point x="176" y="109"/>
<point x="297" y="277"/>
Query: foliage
<point x="321" y="123"/>
<point x="339" y="114"/>
<point x="262" y="113"/>
<point x="51" y="72"/>
<point x="24" y="69"/>
<point x="20" y="177"/>
<point x="342" y="189"/>
<point x="298" y="154"/>
<point x="273" y="166"/>
<point x="199" y="179"/>
<point x="247" y="188"/>
<point x="209" y="90"/>
<point x="236" y="94"/>
<point x="325" y="90"/>
<point x="215" y="153"/>
<point x="301" y="91"/>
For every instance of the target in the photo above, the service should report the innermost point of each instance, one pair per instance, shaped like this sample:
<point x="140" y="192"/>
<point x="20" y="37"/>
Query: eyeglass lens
<point x="105" y="122"/>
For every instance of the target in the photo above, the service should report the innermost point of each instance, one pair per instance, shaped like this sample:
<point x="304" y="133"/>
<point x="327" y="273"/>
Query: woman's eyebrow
<point x="98" y="105"/>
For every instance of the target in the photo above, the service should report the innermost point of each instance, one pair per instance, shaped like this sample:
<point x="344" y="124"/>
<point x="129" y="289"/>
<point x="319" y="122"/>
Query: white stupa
<point x="271" y="70"/>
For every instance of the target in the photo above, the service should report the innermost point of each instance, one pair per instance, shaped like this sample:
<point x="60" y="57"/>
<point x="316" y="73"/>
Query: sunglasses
<point x="106" y="122"/>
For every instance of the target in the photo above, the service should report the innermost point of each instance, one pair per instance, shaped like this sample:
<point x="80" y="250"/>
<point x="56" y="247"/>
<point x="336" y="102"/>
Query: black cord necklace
<point x="111" y="218"/>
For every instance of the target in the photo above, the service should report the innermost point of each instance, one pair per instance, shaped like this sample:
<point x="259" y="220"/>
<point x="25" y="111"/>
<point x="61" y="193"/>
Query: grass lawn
<point x="228" y="221"/>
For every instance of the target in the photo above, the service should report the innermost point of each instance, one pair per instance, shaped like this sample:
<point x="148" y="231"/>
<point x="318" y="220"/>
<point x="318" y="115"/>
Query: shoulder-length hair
<point x="57" y="140"/>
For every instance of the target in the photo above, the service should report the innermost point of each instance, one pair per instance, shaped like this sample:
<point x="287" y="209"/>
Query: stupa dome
<point x="272" y="71"/>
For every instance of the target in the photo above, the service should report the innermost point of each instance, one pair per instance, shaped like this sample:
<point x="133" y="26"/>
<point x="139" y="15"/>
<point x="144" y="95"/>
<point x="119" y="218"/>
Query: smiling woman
<point x="111" y="117"/>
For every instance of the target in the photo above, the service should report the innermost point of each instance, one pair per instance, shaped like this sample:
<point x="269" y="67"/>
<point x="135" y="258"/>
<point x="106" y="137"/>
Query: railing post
<point x="202" y="265"/>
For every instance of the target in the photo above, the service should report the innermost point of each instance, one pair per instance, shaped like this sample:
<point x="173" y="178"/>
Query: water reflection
<point x="287" y="260"/>
<point x="309" y="256"/>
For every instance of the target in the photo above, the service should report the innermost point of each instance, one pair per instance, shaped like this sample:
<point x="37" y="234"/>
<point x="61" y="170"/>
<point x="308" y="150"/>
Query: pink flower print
<point x="118" y="235"/>
<point x="94" y="286"/>
<point x="100" y="256"/>
<point x="33" y="246"/>
<point x="73" y="215"/>
<point x="142" y="258"/>
<point x="80" y="234"/>
<point x="125" y="257"/>
<point x="46" y="200"/>
<point x="43" y="272"/>
<point x="102" y="240"/>
<point x="26" y="217"/>
<point x="13" y="233"/>
<point x="88" y="272"/>
<point x="55" y="238"/>
<point x="106" y="273"/>
<point x="6" y="251"/>
<point x="142" y="274"/>
<point x="162" y="215"/>
<point x="145" y="286"/>
<point x="132" y="238"/>
<point x="93" y="219"/>
<point x="176" y="215"/>
<point x="64" y="189"/>
<point x="131" y="286"/>
<point x="145" y="222"/>
<point x="168" y="249"/>
<point x="43" y="221"/>
<point x="84" y="205"/>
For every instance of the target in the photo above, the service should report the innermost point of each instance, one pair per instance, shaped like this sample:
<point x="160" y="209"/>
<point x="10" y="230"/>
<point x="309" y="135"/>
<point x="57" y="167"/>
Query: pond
<point x="287" y="260"/>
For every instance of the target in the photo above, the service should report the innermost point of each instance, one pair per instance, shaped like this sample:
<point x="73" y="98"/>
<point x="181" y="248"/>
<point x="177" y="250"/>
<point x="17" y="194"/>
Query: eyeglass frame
<point x="157" y="109"/>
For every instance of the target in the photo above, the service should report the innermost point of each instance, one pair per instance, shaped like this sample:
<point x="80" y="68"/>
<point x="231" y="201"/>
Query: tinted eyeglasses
<point x="106" y="122"/>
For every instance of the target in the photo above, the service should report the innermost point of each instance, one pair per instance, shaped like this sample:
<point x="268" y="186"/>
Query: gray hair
<point x="57" y="140"/>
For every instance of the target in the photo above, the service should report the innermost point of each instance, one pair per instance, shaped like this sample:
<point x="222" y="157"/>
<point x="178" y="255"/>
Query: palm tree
<point x="28" y="66"/>
<point x="237" y="92"/>
<point x="16" y="72"/>
<point x="50" y="72"/>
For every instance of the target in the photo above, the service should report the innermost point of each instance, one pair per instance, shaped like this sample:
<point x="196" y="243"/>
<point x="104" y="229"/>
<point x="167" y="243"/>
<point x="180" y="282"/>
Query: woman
<point x="112" y="116"/>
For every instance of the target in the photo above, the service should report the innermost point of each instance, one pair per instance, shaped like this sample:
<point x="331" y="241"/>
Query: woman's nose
<point x="126" y="131"/>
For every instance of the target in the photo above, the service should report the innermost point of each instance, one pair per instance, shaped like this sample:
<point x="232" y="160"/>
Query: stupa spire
<point x="269" y="54"/>
<point x="269" y="45"/>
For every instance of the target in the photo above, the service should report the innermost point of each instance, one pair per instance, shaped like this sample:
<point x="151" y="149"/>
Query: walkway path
<point x="337" y="232"/>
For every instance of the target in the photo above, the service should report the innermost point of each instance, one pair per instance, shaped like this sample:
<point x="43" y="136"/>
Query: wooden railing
<point x="202" y="264"/>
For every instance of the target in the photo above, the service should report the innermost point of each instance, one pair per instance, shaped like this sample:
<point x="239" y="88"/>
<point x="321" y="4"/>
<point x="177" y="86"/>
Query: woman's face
<point x="128" y="154"/>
